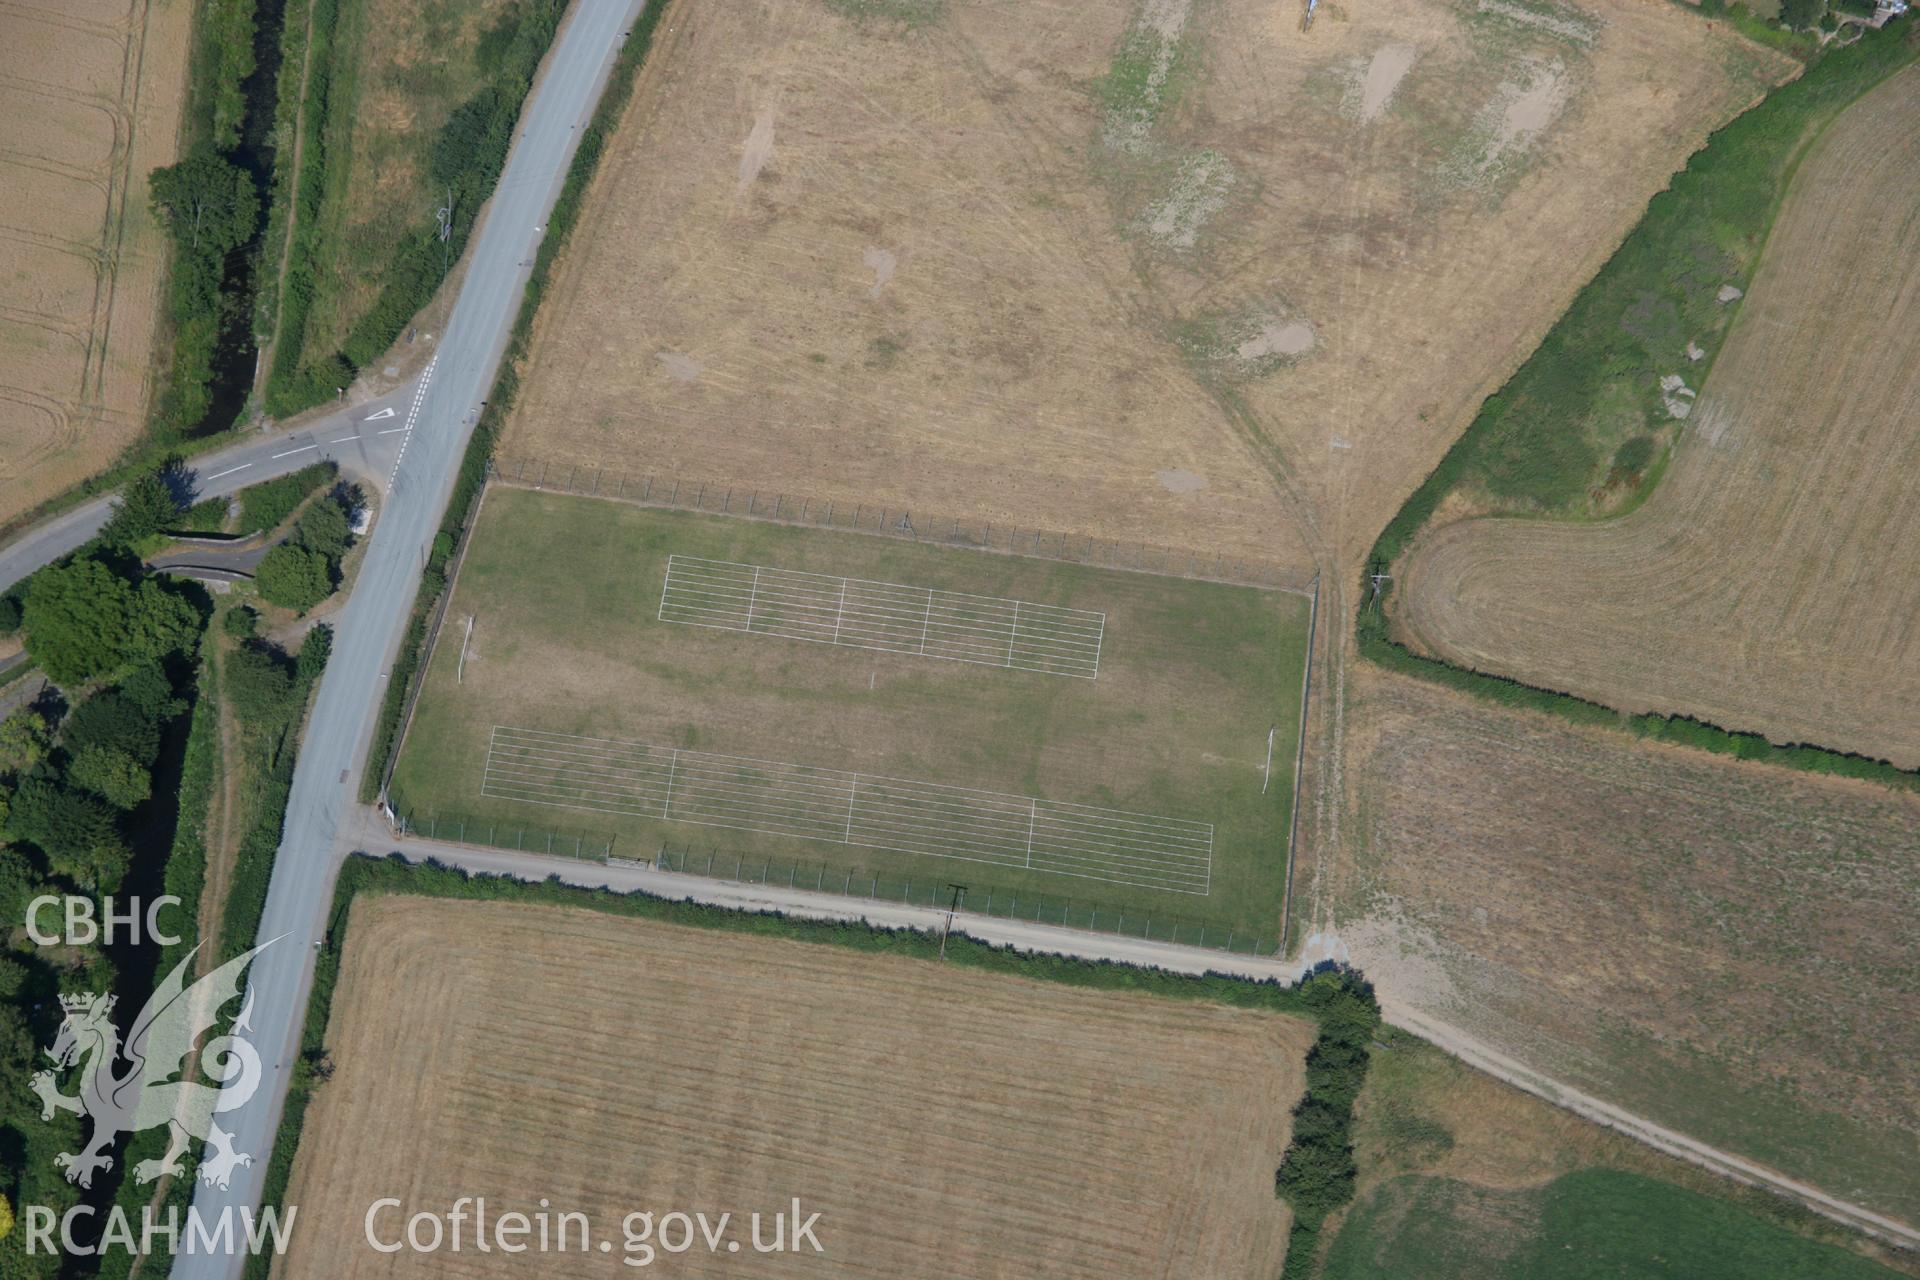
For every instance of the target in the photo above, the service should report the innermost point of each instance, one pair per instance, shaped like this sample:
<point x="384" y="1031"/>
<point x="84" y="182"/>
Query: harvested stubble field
<point x="1232" y="278"/>
<point x="92" y="92"/>
<point x="942" y="1121"/>
<point x="1725" y="948"/>
<point x="1767" y="583"/>
<point x="1117" y="763"/>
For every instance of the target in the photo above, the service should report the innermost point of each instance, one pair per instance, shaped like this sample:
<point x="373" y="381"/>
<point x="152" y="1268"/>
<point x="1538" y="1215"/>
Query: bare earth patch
<point x="1076" y="187"/>
<point x="942" y="1121"/>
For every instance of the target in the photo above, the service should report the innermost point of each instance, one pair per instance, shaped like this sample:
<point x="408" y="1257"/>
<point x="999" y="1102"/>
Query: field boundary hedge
<point x="1339" y="1000"/>
<point x="1772" y="132"/>
<point x="470" y="154"/>
<point x="1839" y="79"/>
<point x="477" y="463"/>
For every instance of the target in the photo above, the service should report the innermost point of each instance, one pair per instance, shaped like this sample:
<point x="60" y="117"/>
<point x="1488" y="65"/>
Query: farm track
<point x="1766" y="585"/>
<point x="1475" y="1048"/>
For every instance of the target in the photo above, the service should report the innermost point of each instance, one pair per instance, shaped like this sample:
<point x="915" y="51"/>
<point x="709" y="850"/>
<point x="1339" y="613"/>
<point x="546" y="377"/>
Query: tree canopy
<point x="148" y="505"/>
<point x="294" y="577"/>
<point x="85" y="622"/>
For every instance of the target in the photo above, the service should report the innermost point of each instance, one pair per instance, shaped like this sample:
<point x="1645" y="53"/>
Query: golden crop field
<point x="1242" y="283"/>
<point x="942" y="1121"/>
<point x="1766" y="584"/>
<point x="92" y="90"/>
<point x="1723" y="947"/>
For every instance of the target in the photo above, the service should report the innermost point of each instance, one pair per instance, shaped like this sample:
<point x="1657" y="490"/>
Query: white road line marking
<point x="343" y="440"/>
<point x="390" y="431"/>
<point x="229" y="471"/>
<point x="302" y="449"/>
<point x="413" y="414"/>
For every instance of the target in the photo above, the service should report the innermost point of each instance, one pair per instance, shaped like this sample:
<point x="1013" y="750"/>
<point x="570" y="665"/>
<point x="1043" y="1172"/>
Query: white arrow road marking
<point x="375" y="417"/>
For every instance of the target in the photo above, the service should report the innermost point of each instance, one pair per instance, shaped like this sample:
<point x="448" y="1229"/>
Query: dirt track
<point x="943" y="1121"/>
<point x="1244" y="309"/>
<point x="1767" y="583"/>
<point x="1722" y="948"/>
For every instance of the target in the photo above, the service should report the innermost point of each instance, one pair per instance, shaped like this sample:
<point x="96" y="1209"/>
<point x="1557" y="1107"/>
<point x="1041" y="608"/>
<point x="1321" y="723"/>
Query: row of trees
<point x="78" y="809"/>
<point x="1316" y="1176"/>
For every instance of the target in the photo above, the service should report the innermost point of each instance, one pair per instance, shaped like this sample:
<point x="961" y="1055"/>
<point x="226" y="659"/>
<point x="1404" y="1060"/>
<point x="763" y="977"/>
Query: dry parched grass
<point x="1240" y="284"/>
<point x="91" y="90"/>
<point x="943" y="1122"/>
<point x="1722" y="947"/>
<point x="1767" y="584"/>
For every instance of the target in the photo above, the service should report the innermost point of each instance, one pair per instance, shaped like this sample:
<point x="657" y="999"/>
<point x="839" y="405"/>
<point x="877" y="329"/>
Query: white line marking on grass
<point x="889" y="617"/>
<point x="859" y="810"/>
<point x="229" y="471"/>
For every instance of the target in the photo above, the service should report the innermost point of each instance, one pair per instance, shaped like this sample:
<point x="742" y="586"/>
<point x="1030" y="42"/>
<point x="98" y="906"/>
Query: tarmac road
<point x="321" y="808"/>
<point x="355" y="438"/>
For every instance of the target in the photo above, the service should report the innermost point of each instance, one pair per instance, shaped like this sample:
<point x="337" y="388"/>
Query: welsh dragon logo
<point x="145" y="1095"/>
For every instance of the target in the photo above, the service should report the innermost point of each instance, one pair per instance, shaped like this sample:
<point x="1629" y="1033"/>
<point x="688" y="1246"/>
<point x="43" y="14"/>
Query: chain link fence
<point x="714" y="497"/>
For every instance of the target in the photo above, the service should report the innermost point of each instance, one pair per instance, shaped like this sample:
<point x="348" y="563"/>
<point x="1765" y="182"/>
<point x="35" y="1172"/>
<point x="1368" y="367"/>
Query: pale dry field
<point x="93" y="90"/>
<point x="943" y="1121"/>
<point x="1726" y="948"/>
<point x="1767" y="585"/>
<point x="1182" y="275"/>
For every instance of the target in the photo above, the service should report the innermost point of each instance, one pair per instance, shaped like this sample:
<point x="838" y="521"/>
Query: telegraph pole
<point x="959" y="892"/>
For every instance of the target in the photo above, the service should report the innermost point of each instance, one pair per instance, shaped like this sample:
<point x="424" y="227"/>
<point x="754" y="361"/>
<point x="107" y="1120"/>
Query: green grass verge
<point x="473" y="89"/>
<point x="1541" y="444"/>
<point x="1547" y="438"/>
<point x="263" y="506"/>
<point x="478" y="459"/>
<point x="1584" y="1225"/>
<point x="270" y="735"/>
